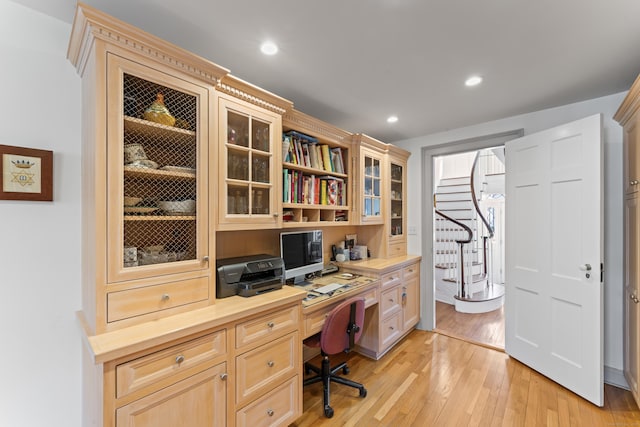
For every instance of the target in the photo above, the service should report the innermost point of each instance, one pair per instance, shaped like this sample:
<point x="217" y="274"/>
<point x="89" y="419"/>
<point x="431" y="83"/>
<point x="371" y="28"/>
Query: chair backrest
<point x="335" y="337"/>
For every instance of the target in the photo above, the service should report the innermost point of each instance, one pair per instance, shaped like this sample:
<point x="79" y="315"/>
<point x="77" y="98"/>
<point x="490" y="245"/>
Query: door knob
<point x="587" y="268"/>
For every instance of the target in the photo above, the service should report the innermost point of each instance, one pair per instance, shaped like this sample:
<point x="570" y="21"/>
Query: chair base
<point x="327" y="374"/>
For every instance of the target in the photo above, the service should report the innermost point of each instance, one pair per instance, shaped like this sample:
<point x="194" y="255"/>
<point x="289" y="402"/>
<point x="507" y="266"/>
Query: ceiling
<point x="353" y="63"/>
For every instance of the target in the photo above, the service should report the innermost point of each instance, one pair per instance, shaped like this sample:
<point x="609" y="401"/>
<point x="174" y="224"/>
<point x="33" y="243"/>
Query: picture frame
<point x="26" y="174"/>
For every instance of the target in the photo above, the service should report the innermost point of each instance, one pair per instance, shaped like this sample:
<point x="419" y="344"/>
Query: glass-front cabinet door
<point x="371" y="179"/>
<point x="247" y="156"/>
<point x="397" y="210"/>
<point x="156" y="171"/>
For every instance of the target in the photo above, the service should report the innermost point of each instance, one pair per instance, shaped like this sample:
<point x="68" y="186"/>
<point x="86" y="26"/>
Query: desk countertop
<point x="380" y="265"/>
<point x="352" y="285"/>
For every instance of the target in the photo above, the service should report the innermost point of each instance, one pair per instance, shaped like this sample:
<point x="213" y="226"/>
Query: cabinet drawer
<point x="391" y="279"/>
<point x="390" y="330"/>
<point x="278" y="407"/>
<point x="313" y="322"/>
<point x="272" y="325"/>
<point x="410" y="271"/>
<point x="397" y="249"/>
<point x="163" y="364"/>
<point x="150" y="299"/>
<point x="370" y="297"/>
<point x="258" y="369"/>
<point x="390" y="301"/>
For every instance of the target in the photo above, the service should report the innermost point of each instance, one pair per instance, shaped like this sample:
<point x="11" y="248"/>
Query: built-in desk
<point x="391" y="288"/>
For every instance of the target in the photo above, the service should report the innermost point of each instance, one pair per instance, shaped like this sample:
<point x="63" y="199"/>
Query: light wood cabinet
<point x="147" y="199"/>
<point x="398" y="311"/>
<point x="396" y="235"/>
<point x="371" y="180"/>
<point x="317" y="176"/>
<point x="628" y="115"/>
<point x="248" y="144"/>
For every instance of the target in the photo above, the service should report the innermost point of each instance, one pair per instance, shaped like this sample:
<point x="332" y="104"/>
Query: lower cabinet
<point x="198" y="401"/>
<point x="246" y="372"/>
<point x="398" y="311"/>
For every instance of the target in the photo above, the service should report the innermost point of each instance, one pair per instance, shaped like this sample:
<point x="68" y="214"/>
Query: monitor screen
<point x="301" y="252"/>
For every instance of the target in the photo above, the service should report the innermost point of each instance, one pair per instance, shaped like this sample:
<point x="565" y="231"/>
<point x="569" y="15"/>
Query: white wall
<point x="533" y="122"/>
<point x="40" y="350"/>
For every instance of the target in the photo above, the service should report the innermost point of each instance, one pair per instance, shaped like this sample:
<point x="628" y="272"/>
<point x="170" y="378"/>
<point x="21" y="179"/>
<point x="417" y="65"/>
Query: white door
<point x="554" y="317"/>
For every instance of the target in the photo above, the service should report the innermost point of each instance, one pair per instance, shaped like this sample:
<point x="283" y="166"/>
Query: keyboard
<point x="327" y="289"/>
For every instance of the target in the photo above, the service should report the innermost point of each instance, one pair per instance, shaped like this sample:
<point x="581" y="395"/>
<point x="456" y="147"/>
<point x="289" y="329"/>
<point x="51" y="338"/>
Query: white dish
<point x="178" y="206"/>
<point x="178" y="169"/>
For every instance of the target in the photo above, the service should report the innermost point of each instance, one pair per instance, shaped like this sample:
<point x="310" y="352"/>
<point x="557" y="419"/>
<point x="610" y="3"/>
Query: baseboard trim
<point x="615" y="377"/>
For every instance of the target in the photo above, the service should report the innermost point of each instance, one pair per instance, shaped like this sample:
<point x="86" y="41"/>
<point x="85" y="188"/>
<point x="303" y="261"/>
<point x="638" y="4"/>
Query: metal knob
<point x="223" y="376"/>
<point x="270" y="363"/>
<point x="205" y="258"/>
<point x="179" y="359"/>
<point x="270" y="412"/>
<point x="271" y="324"/>
<point x="165" y="297"/>
<point x="276" y="215"/>
<point x="586" y="267"/>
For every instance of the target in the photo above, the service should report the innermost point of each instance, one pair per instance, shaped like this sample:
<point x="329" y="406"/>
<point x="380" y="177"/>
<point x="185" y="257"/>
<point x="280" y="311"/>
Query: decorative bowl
<point x="131" y="201"/>
<point x="178" y="206"/>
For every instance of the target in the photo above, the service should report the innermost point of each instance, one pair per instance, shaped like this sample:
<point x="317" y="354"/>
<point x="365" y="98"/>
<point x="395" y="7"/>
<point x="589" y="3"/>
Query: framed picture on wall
<point x="26" y="174"/>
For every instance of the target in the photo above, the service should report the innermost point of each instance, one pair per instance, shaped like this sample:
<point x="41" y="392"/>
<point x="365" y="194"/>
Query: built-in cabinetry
<point x="398" y="311"/>
<point x="396" y="243"/>
<point x="249" y="159"/>
<point x="371" y="161"/>
<point x="628" y="115"/>
<point x="317" y="181"/>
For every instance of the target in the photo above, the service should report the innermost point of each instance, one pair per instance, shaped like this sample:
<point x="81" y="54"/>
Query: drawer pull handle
<point x="270" y="412"/>
<point x="223" y="376"/>
<point x="205" y="258"/>
<point x="270" y="363"/>
<point x="391" y="327"/>
<point x="179" y="359"/>
<point x="271" y="324"/>
<point x="165" y="297"/>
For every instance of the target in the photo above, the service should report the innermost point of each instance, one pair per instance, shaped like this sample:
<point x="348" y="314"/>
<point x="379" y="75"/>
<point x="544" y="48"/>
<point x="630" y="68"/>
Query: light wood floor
<point x="434" y="380"/>
<point x="483" y="328"/>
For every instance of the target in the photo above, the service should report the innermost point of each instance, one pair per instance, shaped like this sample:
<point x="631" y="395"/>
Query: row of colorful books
<point x="313" y="190"/>
<point x="304" y="150"/>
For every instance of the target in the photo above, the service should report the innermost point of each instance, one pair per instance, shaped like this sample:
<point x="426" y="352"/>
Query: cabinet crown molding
<point x="91" y="24"/>
<point x="248" y="92"/>
<point x="630" y="105"/>
<point x="315" y="127"/>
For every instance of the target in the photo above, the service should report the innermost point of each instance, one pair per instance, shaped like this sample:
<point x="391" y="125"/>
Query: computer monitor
<point x="302" y="254"/>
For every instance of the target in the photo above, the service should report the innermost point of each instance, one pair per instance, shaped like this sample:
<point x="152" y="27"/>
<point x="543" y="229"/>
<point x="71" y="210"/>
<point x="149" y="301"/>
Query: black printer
<point x="249" y="275"/>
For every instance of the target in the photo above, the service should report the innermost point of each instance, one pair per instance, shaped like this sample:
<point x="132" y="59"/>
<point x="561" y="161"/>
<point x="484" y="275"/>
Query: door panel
<point x="554" y="222"/>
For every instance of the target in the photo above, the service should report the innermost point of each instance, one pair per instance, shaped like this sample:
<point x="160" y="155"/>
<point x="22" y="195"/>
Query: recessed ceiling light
<point x="269" y="48"/>
<point x="473" y="81"/>
<point x="392" y="119"/>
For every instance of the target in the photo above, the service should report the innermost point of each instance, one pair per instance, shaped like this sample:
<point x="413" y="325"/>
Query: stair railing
<point x="461" y="241"/>
<point x="486" y="237"/>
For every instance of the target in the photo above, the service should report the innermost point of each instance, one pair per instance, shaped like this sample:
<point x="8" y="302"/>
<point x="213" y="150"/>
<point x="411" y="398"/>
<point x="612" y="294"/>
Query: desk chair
<point x="341" y="330"/>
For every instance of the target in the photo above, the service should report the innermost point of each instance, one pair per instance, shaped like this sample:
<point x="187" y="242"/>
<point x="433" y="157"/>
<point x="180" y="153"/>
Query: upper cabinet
<point x="316" y="173"/>
<point x="628" y="115"/>
<point x="248" y="156"/>
<point x="147" y="238"/>
<point x="397" y="201"/>
<point x="371" y="180"/>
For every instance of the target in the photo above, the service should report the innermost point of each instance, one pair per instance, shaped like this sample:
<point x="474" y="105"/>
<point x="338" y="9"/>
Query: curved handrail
<point x="475" y="199"/>
<point x="456" y="222"/>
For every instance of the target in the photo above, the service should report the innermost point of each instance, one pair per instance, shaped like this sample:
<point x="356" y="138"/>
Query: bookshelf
<point x="316" y="173"/>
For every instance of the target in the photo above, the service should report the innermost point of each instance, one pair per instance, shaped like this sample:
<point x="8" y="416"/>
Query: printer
<point x="249" y="275"/>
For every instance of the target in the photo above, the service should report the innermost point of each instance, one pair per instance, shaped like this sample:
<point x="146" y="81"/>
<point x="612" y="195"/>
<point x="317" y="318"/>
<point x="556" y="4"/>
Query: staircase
<point x="463" y="246"/>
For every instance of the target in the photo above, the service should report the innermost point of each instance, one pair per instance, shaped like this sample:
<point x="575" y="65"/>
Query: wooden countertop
<point x="115" y="344"/>
<point x="380" y="265"/>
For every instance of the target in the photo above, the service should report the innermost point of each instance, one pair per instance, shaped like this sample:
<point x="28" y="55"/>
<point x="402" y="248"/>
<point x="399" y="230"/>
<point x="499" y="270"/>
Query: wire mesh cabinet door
<point x="157" y="199"/>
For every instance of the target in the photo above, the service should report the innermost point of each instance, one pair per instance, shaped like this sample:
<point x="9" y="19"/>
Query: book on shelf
<point x="326" y="158"/>
<point x="336" y="157"/>
<point x="335" y="191"/>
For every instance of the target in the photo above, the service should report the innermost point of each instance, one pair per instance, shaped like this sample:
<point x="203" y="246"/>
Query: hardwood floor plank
<point x="433" y="380"/>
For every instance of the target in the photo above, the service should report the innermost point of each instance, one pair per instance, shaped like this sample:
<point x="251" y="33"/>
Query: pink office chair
<point x="341" y="330"/>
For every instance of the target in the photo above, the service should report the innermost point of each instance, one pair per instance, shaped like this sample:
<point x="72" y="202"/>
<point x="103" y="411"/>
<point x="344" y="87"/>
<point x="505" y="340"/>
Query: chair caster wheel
<point x="328" y="411"/>
<point x="345" y="370"/>
<point x="363" y="392"/>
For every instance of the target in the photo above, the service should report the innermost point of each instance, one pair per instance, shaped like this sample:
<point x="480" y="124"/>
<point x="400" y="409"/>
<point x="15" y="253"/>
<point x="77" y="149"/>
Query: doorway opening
<point x="468" y="245"/>
<point x="449" y="318"/>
